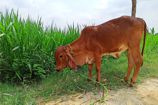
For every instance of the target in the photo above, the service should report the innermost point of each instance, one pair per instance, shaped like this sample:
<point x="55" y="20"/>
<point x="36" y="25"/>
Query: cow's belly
<point x="88" y="58"/>
<point x="116" y="54"/>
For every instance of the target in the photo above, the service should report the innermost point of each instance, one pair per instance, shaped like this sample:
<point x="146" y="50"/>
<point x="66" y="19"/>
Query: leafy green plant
<point x="27" y="48"/>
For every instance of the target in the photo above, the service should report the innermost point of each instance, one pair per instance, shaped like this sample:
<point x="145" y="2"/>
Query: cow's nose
<point x="57" y="69"/>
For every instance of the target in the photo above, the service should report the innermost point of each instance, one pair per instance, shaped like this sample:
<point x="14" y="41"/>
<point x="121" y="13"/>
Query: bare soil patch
<point x="142" y="94"/>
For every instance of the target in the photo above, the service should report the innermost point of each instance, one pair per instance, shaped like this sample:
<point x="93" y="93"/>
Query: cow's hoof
<point x="125" y="79"/>
<point x="89" y="80"/>
<point x="97" y="84"/>
<point x="131" y="83"/>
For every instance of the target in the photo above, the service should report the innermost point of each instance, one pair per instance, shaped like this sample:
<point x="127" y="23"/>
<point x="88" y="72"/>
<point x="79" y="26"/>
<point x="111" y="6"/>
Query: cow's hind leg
<point x="138" y="60"/>
<point x="130" y="65"/>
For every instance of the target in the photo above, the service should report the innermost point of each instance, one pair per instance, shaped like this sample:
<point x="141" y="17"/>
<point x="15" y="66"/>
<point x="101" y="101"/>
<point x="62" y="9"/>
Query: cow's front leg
<point x="90" y="67"/>
<point x="98" y="67"/>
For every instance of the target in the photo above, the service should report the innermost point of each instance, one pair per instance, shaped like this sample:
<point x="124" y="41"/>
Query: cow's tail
<point x="145" y="29"/>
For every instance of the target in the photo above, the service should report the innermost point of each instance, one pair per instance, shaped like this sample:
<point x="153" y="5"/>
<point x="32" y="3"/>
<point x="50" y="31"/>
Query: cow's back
<point x="110" y="36"/>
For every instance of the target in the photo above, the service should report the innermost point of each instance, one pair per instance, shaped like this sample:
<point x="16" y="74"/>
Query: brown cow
<point x="110" y="38"/>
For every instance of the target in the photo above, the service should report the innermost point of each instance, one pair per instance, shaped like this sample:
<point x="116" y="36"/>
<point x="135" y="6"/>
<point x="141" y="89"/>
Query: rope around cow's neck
<point x="69" y="53"/>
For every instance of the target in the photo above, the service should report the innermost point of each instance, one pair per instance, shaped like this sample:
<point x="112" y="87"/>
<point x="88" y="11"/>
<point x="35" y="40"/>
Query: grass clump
<point x="27" y="49"/>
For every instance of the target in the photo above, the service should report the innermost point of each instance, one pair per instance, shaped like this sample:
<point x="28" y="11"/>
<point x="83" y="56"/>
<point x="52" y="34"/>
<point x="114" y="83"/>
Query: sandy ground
<point x="143" y="94"/>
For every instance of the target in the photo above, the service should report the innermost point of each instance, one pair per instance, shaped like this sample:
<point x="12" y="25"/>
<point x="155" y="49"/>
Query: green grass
<point x="27" y="53"/>
<point x="69" y="82"/>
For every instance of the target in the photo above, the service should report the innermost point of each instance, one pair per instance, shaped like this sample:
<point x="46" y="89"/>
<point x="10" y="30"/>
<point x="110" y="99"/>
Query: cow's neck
<point x="79" y="53"/>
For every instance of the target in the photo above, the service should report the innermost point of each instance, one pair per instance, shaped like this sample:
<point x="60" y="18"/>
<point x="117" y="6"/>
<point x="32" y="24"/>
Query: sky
<point x="83" y="12"/>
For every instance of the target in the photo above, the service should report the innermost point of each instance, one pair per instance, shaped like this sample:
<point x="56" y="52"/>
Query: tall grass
<point x="27" y="48"/>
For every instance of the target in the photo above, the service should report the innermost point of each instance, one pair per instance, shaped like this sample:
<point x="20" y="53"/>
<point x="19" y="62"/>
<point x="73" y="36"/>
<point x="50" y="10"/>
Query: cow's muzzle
<point x="58" y="69"/>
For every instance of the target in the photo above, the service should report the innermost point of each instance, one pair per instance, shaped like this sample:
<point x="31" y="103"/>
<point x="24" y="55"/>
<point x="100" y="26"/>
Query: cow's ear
<point x="67" y="50"/>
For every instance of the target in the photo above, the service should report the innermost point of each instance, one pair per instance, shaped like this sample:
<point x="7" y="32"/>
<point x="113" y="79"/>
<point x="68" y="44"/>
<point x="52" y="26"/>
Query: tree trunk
<point x="134" y="2"/>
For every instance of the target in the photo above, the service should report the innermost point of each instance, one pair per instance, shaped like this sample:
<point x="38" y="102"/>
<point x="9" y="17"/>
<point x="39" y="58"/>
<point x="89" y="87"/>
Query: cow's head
<point x="64" y="58"/>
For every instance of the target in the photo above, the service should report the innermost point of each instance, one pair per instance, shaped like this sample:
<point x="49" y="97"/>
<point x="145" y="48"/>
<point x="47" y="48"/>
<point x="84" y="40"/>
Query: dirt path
<point x="143" y="94"/>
